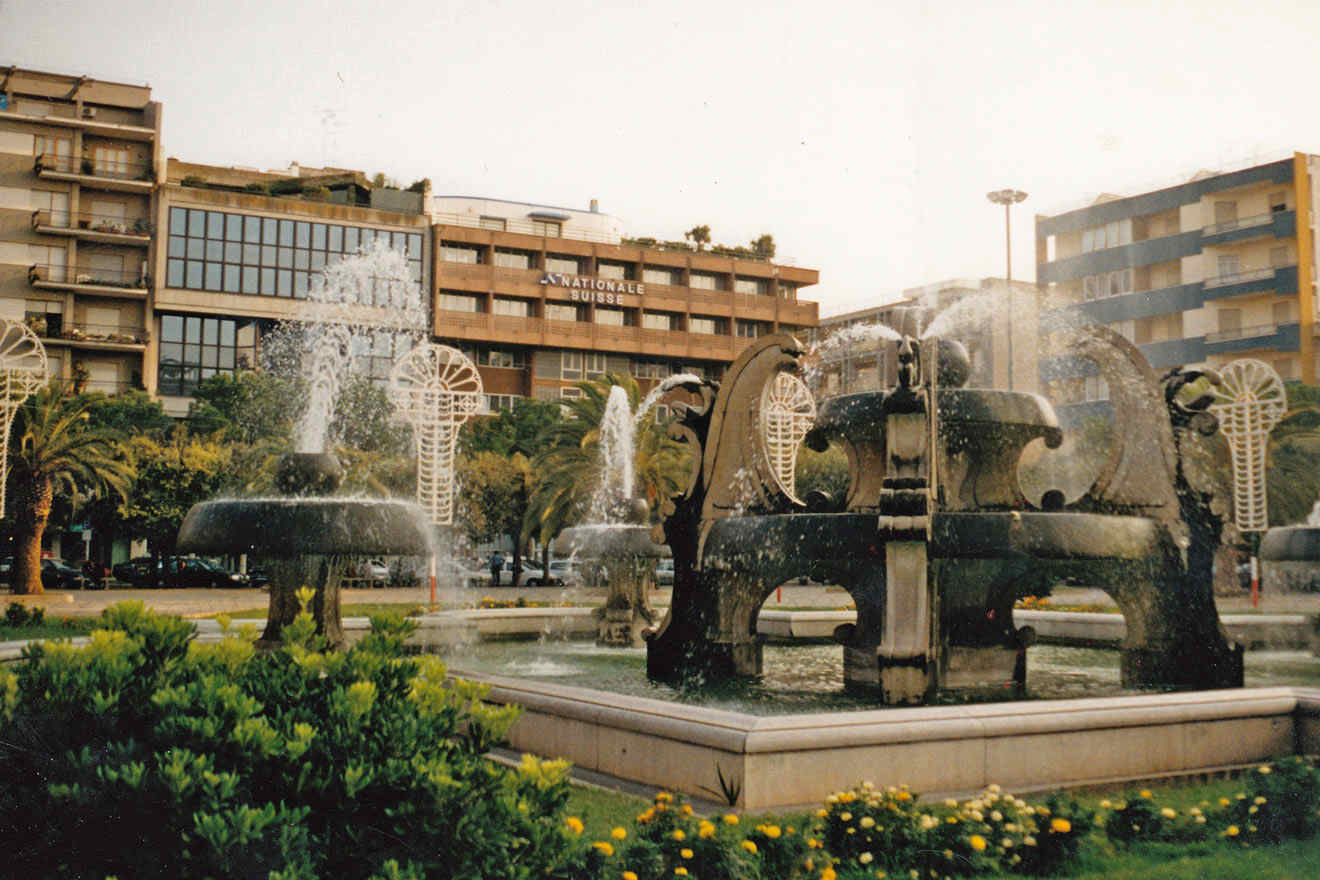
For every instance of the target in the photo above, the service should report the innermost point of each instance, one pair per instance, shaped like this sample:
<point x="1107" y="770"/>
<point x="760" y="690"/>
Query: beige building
<point x="79" y="164"/>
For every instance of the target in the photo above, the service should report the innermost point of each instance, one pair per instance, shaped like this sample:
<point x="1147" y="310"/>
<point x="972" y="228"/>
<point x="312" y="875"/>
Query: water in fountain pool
<point x="802" y="679"/>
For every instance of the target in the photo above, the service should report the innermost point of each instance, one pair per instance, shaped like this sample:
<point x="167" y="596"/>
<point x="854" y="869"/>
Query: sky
<point x="862" y="135"/>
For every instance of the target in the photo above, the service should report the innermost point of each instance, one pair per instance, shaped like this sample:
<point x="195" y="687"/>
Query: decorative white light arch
<point x="22" y="371"/>
<point x="1248" y="406"/>
<point x="787" y="412"/>
<point x="436" y="388"/>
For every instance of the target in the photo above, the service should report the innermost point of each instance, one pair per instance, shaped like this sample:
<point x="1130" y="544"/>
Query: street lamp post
<point x="1008" y="198"/>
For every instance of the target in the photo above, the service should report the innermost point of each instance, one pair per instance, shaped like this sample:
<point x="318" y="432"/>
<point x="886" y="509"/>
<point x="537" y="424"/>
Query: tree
<point x="512" y="430"/>
<point x="823" y="472"/>
<point x="699" y="236"/>
<point x="55" y="447"/>
<point x="130" y="412"/>
<point x="764" y="246"/>
<point x="248" y="407"/>
<point x="494" y="497"/>
<point x="1292" y="479"/>
<point x="364" y="419"/>
<point x="568" y="466"/>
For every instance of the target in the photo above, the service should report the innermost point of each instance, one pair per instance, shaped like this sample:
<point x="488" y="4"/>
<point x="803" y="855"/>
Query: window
<point x="705" y="281"/>
<point x="752" y="329"/>
<point x="510" y="259"/>
<point x="644" y="369"/>
<point x="56" y="203"/>
<point x="110" y="162"/>
<point x="571" y="365"/>
<point x="498" y="223"/>
<point x="45" y="318"/>
<point x="494" y="357"/>
<point x="1229" y="266"/>
<point x="659" y="321"/>
<point x="1279" y="256"/>
<point x="56" y="152"/>
<point x="596" y="363"/>
<point x="502" y="402"/>
<point x="713" y="326"/>
<point x="1230" y="320"/>
<point x="611" y="317"/>
<point x="459" y="302"/>
<point x="1095" y="388"/>
<point x="194" y="348"/>
<point x="563" y="264"/>
<point x="615" y="271"/>
<point x="570" y="393"/>
<point x="661" y="275"/>
<point x="1108" y="235"/>
<point x="52" y="259"/>
<point x="563" y="312"/>
<point x="548" y="228"/>
<point x="788" y="290"/>
<point x="452" y="252"/>
<point x="246" y="253"/>
<point x="1278" y="202"/>
<point x="1226" y="213"/>
<point x="752" y="286"/>
<point x="518" y="308"/>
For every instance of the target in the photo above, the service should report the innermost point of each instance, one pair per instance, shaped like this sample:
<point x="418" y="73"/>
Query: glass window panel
<point x="268" y="281"/>
<point x="178" y="221"/>
<point x="232" y="279"/>
<point x="196" y="248"/>
<point x="174" y="273"/>
<point x="352" y="239"/>
<point x="215" y="250"/>
<point x="210" y="356"/>
<point x="300" y="285"/>
<point x="285" y="283"/>
<point x="226" y="359"/>
<point x="318" y="236"/>
<point x="194" y="275"/>
<point x="252" y="229"/>
<point x="285" y="258"/>
<point x="233" y="252"/>
<point x="171" y="351"/>
<point x="286" y="233"/>
<point x="197" y="224"/>
<point x="233" y="227"/>
<point x="251" y="254"/>
<point x="368" y="236"/>
<point x="268" y="255"/>
<point x="192" y="330"/>
<point x="336" y="238"/>
<point x="251" y="279"/>
<point x="302" y="259"/>
<point x="270" y="230"/>
<point x="178" y="246"/>
<point x="303" y="235"/>
<point x="213" y="275"/>
<point x="318" y="259"/>
<point x="215" y="224"/>
<point x="210" y="331"/>
<point x="171" y="328"/>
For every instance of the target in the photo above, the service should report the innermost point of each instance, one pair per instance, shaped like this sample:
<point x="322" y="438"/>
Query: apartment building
<point x="999" y="329"/>
<point x="542" y="297"/>
<point x="79" y="165"/>
<point x="1201" y="273"/>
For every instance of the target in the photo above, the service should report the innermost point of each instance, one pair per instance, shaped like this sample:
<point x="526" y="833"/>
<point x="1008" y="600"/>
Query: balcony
<point x="1279" y="224"/>
<point x="1279" y="279"/>
<point x="86" y="226"/>
<point x="94" y="282"/>
<point x="1282" y="337"/>
<point x="134" y="177"/>
<point x="97" y="337"/>
<point x="90" y="125"/>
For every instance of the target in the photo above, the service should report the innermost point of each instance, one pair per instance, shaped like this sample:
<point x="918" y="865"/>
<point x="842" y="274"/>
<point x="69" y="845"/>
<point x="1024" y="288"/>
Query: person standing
<point x="496" y="563"/>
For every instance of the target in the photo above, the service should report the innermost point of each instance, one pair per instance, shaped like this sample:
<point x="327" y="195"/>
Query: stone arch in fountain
<point x="22" y="371"/>
<point x="436" y="388"/>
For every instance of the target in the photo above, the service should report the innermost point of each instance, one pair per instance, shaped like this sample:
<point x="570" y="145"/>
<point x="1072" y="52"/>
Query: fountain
<point x="1292" y="554"/>
<point x="935" y="540"/>
<point x="616" y="538"/>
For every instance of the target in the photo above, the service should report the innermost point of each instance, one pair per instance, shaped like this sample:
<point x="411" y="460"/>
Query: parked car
<point x="6" y="568"/>
<point x="369" y="573"/>
<point x="664" y="573"/>
<point x="136" y="571"/>
<point x="191" y="571"/>
<point x="97" y="574"/>
<point x="532" y="576"/>
<point x="565" y="572"/>
<point x="56" y="574"/>
<point x="258" y="577"/>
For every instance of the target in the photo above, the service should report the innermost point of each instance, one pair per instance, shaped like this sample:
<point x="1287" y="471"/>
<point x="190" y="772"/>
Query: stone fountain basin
<point x="862" y="415"/>
<point x="815" y="537"/>
<point x="1291" y="544"/>
<point x="293" y="527"/>
<point x="610" y="540"/>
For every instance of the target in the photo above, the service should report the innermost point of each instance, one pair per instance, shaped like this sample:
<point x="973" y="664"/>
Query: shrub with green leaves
<point x="1280" y="801"/>
<point x="148" y="754"/>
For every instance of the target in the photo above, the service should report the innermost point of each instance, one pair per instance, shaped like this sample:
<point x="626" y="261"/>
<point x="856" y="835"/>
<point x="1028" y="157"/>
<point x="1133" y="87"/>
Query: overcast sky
<point x="862" y="135"/>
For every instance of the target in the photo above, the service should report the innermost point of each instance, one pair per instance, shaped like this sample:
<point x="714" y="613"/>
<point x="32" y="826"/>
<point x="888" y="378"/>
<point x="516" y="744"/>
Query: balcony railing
<point x="89" y="222"/>
<point x="88" y="167"/>
<point x="1240" y="223"/>
<point x="1239" y="277"/>
<point x="1243" y="333"/>
<point x="109" y="333"/>
<point x="46" y="272"/>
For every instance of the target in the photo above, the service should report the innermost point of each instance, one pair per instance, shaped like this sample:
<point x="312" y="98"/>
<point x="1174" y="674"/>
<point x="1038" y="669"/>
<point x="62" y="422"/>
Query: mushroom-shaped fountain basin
<point x="1291" y="544"/>
<point x="293" y="527"/>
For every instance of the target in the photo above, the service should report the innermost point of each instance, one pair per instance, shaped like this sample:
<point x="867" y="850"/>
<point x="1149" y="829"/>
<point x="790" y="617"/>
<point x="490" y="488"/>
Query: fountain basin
<point x="1291" y="544"/>
<point x="609" y="541"/>
<point x="285" y="528"/>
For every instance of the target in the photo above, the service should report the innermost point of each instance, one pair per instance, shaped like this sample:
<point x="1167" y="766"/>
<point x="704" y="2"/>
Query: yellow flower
<point x="619" y="833"/>
<point x="646" y="816"/>
<point x="604" y="847"/>
<point x="628" y="875"/>
<point x="867" y="822"/>
<point x="1169" y="813"/>
<point x="749" y="846"/>
<point x="1265" y="768"/>
<point x="865" y="858"/>
<point x="1145" y="792"/>
<point x="1258" y="801"/>
<point x="822" y="813"/>
<point x="685" y="853"/>
<point x="574" y="824"/>
<point x="705" y="829"/>
<point x="663" y="797"/>
<point x="977" y="842"/>
<point x="827" y="874"/>
<point x="903" y="796"/>
<point x="679" y="834"/>
<point x="686" y="810"/>
<point x="1223" y="802"/>
<point x="1231" y="831"/>
<point x="772" y="831"/>
<point x="680" y="871"/>
<point x="813" y="843"/>
<point x="1060" y="826"/>
<point x="730" y="819"/>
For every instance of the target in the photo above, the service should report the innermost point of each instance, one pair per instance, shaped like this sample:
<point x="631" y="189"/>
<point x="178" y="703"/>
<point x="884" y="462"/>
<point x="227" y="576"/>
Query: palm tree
<point x="568" y="467"/>
<point x="55" y="448"/>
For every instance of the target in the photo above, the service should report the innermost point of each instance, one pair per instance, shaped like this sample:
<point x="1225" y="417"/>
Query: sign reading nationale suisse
<point x="601" y="290"/>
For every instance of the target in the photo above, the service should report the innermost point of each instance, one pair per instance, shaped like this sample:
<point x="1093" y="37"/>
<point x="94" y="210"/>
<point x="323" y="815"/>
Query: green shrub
<point x="18" y="614"/>
<point x="148" y="754"/>
<point x="1280" y="801"/>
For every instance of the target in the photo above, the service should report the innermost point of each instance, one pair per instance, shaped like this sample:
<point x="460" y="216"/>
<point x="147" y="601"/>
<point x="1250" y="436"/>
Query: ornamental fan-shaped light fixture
<point x="22" y="371"/>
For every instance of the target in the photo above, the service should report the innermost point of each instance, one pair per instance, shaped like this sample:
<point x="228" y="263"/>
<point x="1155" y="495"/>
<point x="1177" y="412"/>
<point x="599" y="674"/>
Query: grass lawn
<point x="52" y="628"/>
<point x="408" y="609"/>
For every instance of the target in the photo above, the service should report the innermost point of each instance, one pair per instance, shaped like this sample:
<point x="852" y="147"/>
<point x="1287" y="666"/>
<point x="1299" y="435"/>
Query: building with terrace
<point x="1218" y="267"/>
<point x="79" y="165"/>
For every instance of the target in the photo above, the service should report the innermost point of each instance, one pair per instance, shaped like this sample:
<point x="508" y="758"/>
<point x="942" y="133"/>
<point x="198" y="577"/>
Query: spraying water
<point x="665" y="386"/>
<point x="616" y="458"/>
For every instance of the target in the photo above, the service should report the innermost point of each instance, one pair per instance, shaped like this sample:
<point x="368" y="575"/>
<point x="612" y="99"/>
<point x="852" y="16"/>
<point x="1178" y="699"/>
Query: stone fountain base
<point x="626" y="556"/>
